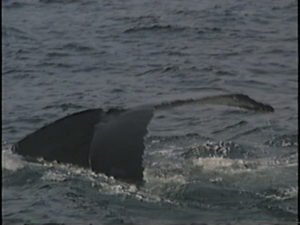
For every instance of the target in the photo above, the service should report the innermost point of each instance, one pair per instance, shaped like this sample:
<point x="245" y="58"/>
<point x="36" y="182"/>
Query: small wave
<point x="149" y="71"/>
<point x="58" y="54"/>
<point x="283" y="141"/>
<point x="171" y="68"/>
<point x="86" y="69"/>
<point x="236" y="125"/>
<point x="282" y="201"/>
<point x="63" y="172"/>
<point x="77" y="47"/>
<point x="216" y="149"/>
<point x="144" y="19"/>
<point x="250" y="131"/>
<point x="154" y="28"/>
<point x="56" y="65"/>
<point x="208" y="30"/>
<point x="14" y="4"/>
<point x="281" y="193"/>
<point x="57" y="172"/>
<point x="20" y="34"/>
<point x="64" y="106"/>
<point x="13" y="30"/>
<point x="59" y="1"/>
<point x="158" y="139"/>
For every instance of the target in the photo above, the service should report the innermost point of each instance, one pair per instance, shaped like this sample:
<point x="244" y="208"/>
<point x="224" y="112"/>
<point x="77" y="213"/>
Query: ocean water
<point x="203" y="164"/>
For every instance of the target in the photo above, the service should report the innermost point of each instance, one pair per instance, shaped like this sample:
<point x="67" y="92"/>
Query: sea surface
<point x="204" y="164"/>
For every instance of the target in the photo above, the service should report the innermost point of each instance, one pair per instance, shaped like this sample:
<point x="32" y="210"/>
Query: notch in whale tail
<point x="110" y="142"/>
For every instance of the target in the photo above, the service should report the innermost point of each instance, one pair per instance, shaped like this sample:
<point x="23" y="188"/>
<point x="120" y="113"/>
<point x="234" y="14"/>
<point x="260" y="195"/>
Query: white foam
<point x="149" y="177"/>
<point x="221" y="164"/>
<point x="283" y="194"/>
<point x="54" y="176"/>
<point x="11" y="161"/>
<point x="234" y="166"/>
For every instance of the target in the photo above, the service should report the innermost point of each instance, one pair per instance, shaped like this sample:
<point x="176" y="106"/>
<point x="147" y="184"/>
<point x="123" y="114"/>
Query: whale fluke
<point x="66" y="140"/>
<point x="110" y="142"/>
<point x="236" y="100"/>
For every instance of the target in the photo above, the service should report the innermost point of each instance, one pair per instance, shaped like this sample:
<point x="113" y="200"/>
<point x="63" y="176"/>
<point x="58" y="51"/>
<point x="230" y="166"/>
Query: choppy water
<point x="203" y="164"/>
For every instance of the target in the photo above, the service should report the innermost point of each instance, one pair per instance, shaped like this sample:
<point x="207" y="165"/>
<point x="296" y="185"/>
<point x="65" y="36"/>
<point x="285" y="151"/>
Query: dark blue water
<point x="205" y="164"/>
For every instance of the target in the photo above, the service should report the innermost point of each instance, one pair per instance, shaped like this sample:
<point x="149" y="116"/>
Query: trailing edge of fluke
<point x="110" y="142"/>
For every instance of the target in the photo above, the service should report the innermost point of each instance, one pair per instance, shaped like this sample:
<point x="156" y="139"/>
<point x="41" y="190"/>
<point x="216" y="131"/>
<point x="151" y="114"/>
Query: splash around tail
<point x="101" y="140"/>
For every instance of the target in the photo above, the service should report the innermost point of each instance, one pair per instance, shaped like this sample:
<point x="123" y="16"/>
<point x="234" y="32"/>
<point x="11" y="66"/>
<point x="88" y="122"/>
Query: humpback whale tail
<point x="110" y="142"/>
<point x="236" y="100"/>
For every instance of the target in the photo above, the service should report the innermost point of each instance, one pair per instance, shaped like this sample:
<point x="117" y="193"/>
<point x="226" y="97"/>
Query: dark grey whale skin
<point x="118" y="144"/>
<point x="110" y="142"/>
<point x="66" y="140"/>
<point x="107" y="142"/>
